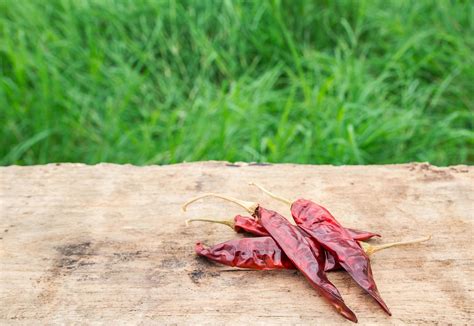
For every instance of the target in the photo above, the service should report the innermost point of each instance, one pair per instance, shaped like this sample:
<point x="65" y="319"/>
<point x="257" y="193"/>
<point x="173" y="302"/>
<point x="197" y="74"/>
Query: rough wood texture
<point x="82" y="244"/>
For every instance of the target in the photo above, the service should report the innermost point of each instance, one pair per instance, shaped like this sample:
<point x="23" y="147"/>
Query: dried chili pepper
<point x="263" y="253"/>
<point x="251" y="225"/>
<point x="309" y="261"/>
<point x="322" y="226"/>
<point x="316" y="221"/>
<point x="260" y="253"/>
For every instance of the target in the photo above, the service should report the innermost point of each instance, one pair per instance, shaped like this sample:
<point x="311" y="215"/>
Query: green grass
<point x="144" y="82"/>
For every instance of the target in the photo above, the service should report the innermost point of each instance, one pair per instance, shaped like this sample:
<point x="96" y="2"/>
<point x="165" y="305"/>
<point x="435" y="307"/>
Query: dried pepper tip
<point x="249" y="206"/>
<point x="199" y="247"/>
<point x="229" y="223"/>
<point x="369" y="249"/>
<point x="286" y="201"/>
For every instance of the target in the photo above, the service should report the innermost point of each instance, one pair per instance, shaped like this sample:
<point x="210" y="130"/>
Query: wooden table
<point x="108" y="244"/>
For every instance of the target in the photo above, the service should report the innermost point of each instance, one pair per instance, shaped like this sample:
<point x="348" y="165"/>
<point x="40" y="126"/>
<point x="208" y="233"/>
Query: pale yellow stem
<point x="249" y="206"/>
<point x="369" y="249"/>
<point x="286" y="201"/>
<point x="225" y="222"/>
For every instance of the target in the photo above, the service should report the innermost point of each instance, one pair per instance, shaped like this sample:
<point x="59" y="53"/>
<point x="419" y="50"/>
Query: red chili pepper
<point x="308" y="260"/>
<point x="316" y="221"/>
<point x="260" y="253"/>
<point x="263" y="253"/>
<point x="322" y="226"/>
<point x="251" y="225"/>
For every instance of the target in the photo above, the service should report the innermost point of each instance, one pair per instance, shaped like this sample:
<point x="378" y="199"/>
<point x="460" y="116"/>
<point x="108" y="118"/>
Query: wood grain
<point x="107" y="243"/>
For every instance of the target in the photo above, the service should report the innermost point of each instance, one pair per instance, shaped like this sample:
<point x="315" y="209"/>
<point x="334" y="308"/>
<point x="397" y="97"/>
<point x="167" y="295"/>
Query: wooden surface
<point x="107" y="243"/>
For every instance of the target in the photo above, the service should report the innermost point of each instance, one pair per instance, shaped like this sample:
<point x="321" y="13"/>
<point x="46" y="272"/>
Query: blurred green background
<point x="155" y="82"/>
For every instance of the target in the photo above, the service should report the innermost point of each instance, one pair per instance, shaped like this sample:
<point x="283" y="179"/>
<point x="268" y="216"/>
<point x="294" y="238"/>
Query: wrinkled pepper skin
<point x="322" y="226"/>
<point x="264" y="254"/>
<point x="331" y="263"/>
<point x="251" y="225"/>
<point x="298" y="250"/>
<point x="260" y="253"/>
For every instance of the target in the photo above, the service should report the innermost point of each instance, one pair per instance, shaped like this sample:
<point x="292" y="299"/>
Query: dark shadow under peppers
<point x="296" y="247"/>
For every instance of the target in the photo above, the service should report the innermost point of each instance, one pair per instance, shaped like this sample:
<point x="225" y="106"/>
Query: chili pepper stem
<point x="249" y="206"/>
<point x="225" y="222"/>
<point x="286" y="201"/>
<point x="370" y="249"/>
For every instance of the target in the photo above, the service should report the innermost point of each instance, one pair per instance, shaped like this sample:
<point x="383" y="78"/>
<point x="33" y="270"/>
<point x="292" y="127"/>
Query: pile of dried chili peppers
<point x="317" y="244"/>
